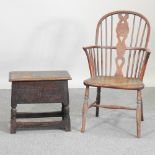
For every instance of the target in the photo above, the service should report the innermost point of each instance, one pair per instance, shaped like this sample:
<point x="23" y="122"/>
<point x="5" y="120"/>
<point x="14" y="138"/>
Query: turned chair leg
<point x="85" y="109"/>
<point x="98" y="100"/>
<point x="138" y="113"/>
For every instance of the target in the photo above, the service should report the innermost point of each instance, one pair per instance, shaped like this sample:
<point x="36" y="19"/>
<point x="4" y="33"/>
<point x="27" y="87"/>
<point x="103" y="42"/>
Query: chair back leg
<point x="98" y="97"/>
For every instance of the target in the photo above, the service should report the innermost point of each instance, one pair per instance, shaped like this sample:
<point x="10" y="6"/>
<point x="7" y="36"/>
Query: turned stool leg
<point x="13" y="118"/>
<point x="98" y="100"/>
<point x="138" y="113"/>
<point x="85" y="109"/>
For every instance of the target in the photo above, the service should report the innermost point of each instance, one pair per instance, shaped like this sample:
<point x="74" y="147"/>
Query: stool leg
<point x="65" y="108"/>
<point x="62" y="111"/>
<point x="138" y="113"/>
<point x="85" y="109"/>
<point x="13" y="119"/>
<point x="98" y="100"/>
<point x="67" y="118"/>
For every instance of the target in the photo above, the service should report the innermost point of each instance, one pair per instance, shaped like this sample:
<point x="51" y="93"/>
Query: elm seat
<point x="115" y="82"/>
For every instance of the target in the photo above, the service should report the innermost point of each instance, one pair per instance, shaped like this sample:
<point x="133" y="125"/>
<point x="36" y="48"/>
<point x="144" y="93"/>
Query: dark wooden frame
<point x="40" y="91"/>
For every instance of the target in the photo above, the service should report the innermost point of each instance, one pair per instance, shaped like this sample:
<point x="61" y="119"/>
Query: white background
<point x="50" y="34"/>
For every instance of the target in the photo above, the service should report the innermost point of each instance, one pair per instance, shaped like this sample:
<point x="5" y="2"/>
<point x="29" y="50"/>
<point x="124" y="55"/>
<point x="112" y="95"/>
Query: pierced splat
<point x="122" y="31"/>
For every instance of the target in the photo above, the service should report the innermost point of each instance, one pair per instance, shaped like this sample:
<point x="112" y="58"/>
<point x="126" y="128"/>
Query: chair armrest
<point x="97" y="46"/>
<point x="114" y="47"/>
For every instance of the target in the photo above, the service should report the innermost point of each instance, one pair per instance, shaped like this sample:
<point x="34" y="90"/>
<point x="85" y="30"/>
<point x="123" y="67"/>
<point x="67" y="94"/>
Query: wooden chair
<point x="118" y="59"/>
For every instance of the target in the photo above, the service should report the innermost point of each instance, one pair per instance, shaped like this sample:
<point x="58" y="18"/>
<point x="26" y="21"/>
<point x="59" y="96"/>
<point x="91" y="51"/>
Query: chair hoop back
<point x="121" y="41"/>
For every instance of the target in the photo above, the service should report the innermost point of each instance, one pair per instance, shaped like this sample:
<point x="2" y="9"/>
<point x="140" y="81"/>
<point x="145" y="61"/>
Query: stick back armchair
<point x="118" y="59"/>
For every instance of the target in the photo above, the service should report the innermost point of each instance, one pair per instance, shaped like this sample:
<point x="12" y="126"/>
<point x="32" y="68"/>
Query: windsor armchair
<point x="118" y="59"/>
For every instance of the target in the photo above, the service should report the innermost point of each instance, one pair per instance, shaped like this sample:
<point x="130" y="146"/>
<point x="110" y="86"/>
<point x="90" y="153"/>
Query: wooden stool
<point x="39" y="87"/>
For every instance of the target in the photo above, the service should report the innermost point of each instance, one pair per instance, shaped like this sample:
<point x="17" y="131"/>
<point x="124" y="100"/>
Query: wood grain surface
<point x="38" y="75"/>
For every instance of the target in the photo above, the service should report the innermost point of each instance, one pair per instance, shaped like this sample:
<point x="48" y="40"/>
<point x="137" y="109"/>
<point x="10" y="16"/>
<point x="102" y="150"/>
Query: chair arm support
<point x="148" y="52"/>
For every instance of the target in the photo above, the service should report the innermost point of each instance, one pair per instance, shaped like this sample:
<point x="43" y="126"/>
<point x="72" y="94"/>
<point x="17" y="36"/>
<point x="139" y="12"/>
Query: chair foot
<point x="98" y="100"/>
<point x="85" y="109"/>
<point x="138" y="121"/>
<point x="138" y="114"/>
<point x="82" y="130"/>
<point x="142" y="117"/>
<point x="97" y="112"/>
